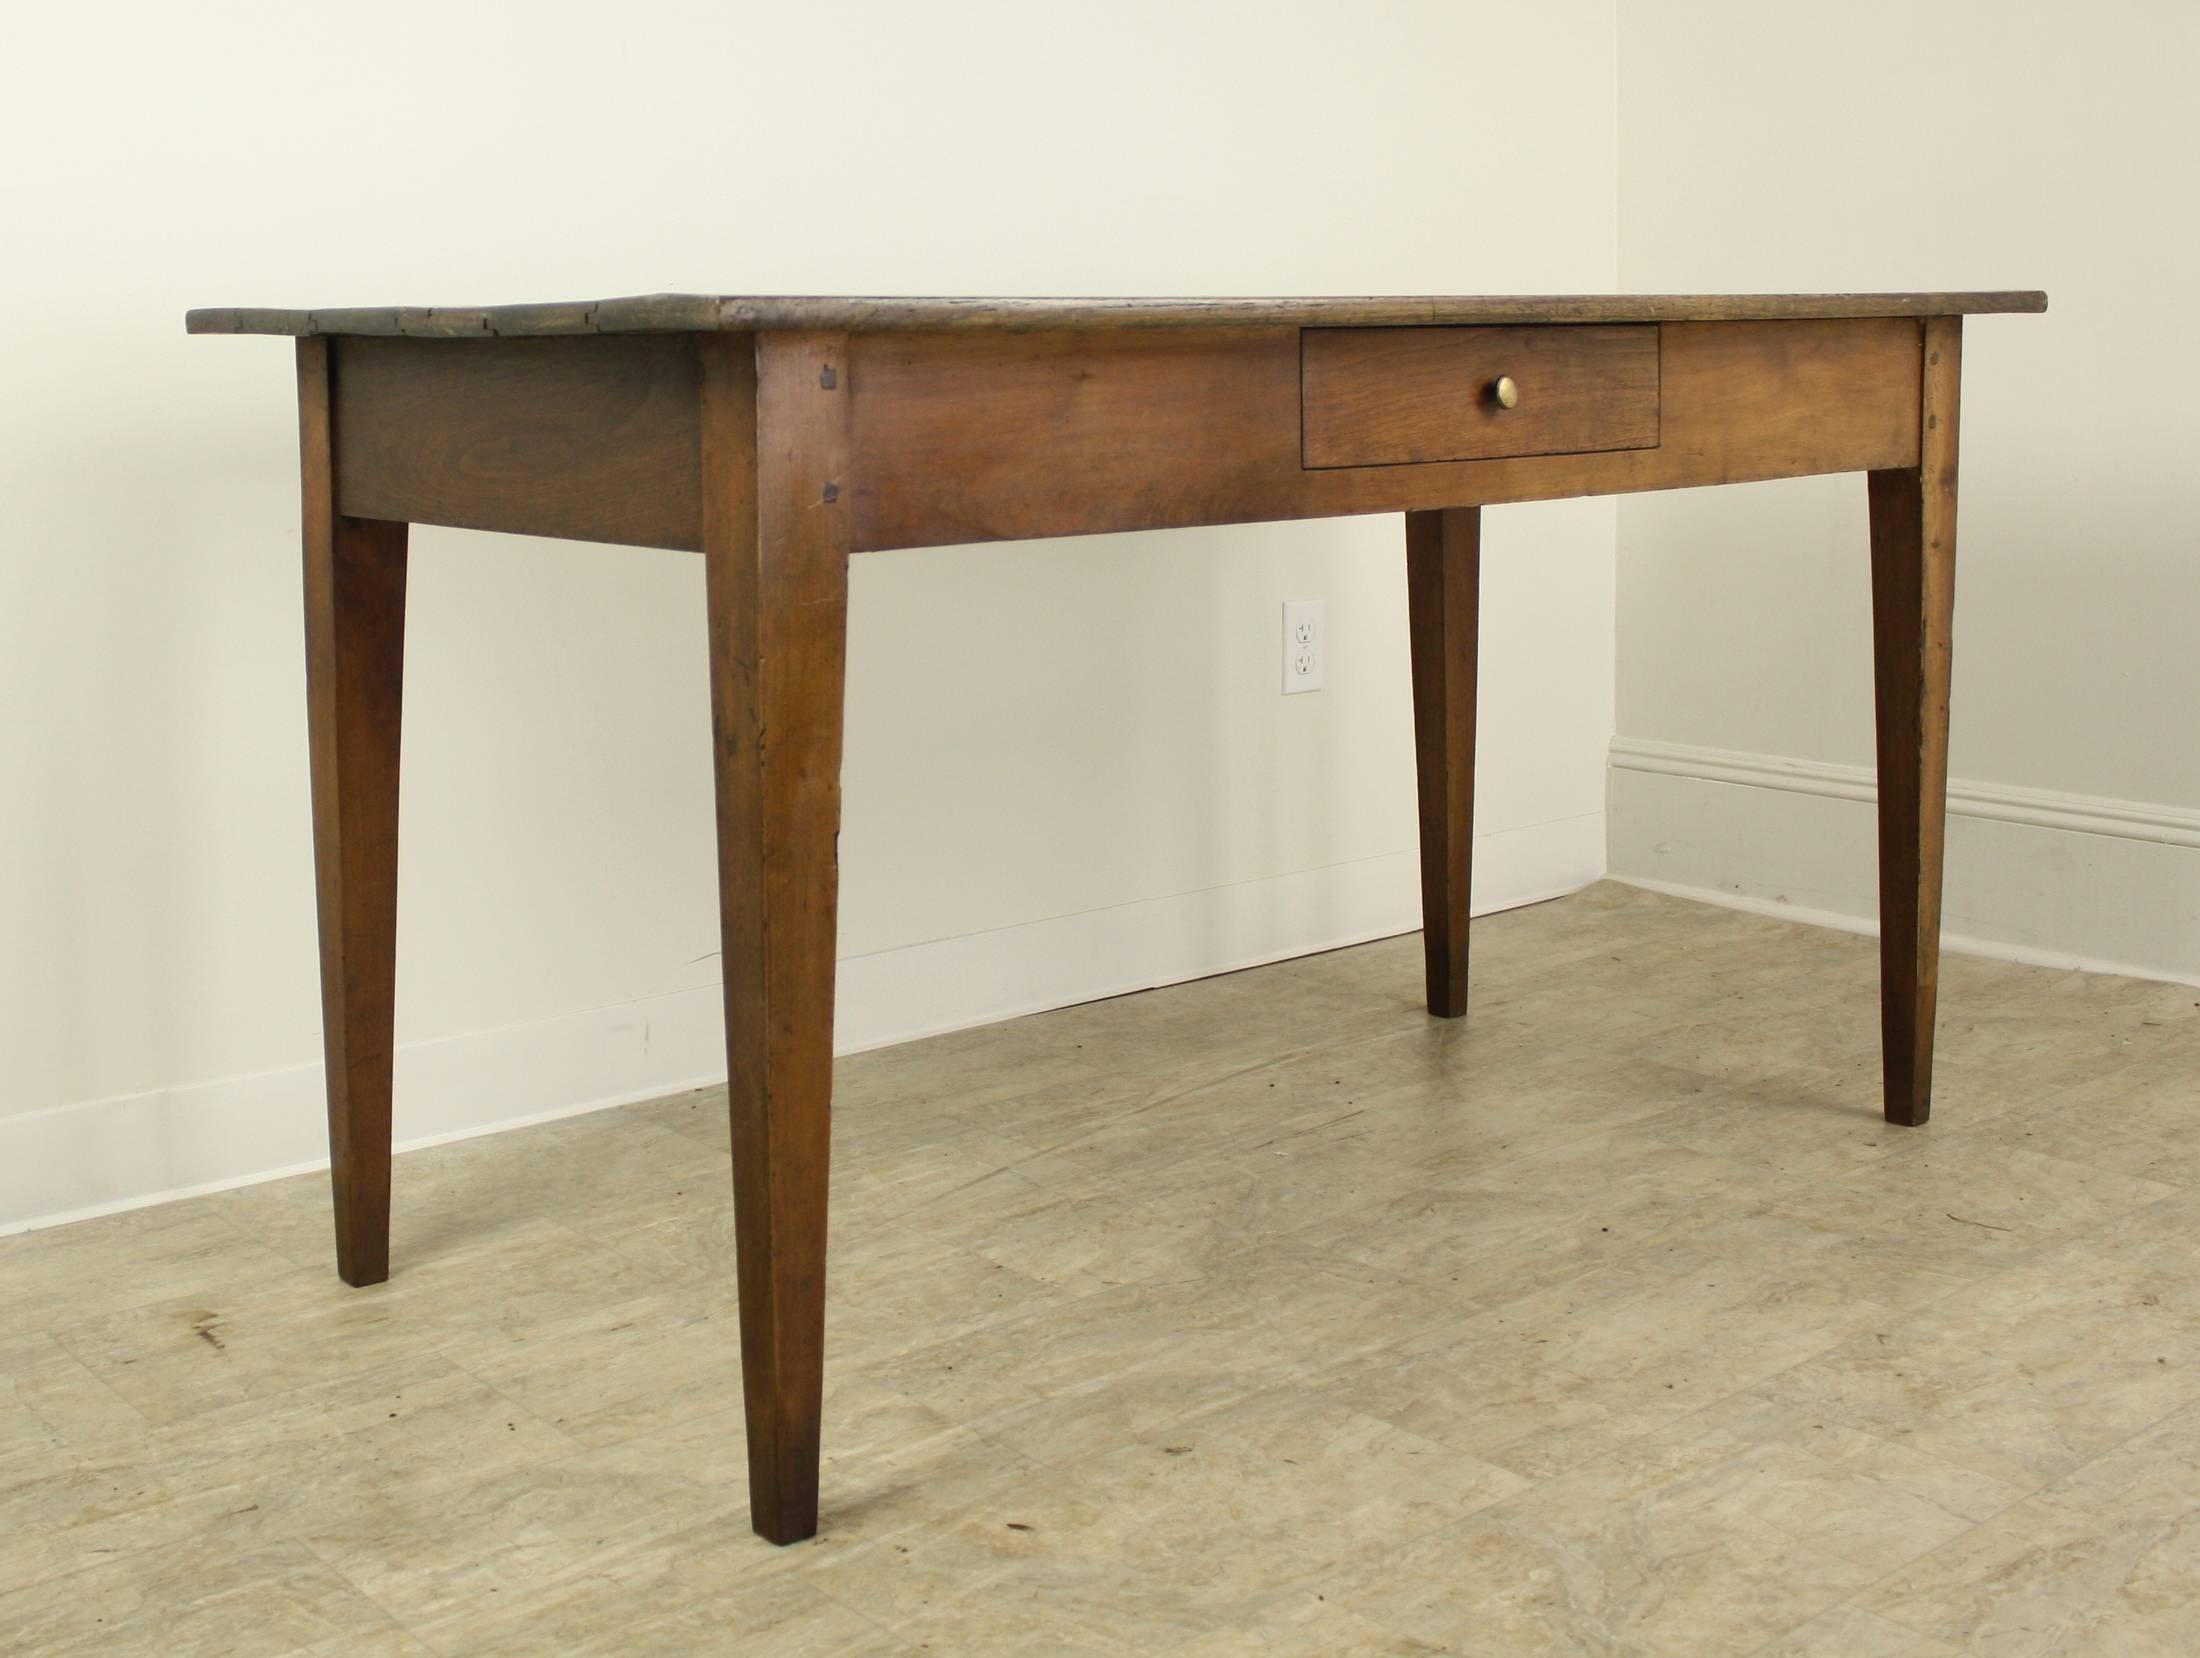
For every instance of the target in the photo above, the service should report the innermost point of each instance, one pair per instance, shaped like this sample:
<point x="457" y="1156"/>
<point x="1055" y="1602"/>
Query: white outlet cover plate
<point x="1305" y="645"/>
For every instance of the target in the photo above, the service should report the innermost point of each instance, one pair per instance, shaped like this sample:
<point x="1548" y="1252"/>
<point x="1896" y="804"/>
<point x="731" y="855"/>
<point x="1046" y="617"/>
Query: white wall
<point x="1068" y="771"/>
<point x="1944" y="145"/>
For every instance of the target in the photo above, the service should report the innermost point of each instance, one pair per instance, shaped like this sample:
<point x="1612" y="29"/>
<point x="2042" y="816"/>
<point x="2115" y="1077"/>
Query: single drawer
<point x="1387" y="396"/>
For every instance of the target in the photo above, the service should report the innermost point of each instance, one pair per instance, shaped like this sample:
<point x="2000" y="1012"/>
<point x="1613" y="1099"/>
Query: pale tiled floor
<point x="1256" y="1315"/>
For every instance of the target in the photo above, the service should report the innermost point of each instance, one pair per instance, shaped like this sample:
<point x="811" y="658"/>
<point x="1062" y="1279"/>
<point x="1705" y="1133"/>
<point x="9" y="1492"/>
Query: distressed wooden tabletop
<point x="707" y="313"/>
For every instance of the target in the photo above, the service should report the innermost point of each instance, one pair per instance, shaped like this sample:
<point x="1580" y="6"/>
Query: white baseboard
<point x="2061" y="880"/>
<point x="99" y="1156"/>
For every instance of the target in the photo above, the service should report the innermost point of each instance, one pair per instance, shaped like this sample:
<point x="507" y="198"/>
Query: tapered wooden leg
<point x="1913" y="518"/>
<point x="775" y="545"/>
<point x="355" y="675"/>
<point x="1443" y="580"/>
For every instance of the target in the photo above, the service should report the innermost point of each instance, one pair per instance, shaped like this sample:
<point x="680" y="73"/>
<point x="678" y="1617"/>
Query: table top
<point x="741" y="313"/>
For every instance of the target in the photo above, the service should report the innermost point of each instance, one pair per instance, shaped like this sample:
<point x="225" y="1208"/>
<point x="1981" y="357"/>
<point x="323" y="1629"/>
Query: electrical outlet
<point x="1305" y="645"/>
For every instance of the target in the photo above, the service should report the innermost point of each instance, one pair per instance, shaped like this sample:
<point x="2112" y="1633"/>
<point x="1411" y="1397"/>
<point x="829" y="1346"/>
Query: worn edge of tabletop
<point x="711" y="313"/>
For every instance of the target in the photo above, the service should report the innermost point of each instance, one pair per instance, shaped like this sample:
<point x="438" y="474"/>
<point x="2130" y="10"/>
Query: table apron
<point x="984" y="436"/>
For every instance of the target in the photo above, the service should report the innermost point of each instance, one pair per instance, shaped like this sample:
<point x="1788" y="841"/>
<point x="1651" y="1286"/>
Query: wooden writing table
<point x="778" y="436"/>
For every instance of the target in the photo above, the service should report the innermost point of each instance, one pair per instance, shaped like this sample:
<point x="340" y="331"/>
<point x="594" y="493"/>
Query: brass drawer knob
<point x="1506" y="391"/>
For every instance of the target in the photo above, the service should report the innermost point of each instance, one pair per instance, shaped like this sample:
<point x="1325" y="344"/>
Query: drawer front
<point x="1390" y="396"/>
